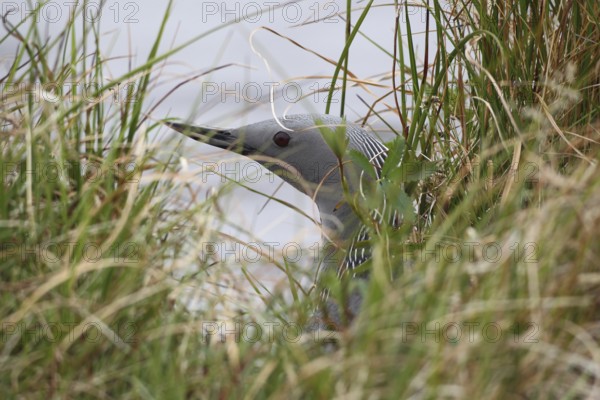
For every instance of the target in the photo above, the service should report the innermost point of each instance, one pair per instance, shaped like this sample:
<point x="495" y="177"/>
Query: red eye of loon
<point x="281" y="139"/>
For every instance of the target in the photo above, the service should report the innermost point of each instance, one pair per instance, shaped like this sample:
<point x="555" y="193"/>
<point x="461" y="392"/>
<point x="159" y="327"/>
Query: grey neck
<point x="337" y="218"/>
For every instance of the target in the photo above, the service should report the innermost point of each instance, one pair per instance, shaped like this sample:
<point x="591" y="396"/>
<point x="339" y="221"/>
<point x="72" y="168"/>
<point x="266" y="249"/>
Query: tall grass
<point x="496" y="273"/>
